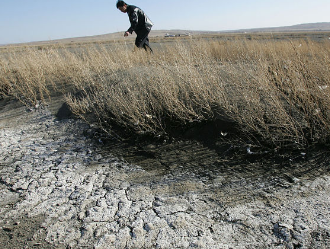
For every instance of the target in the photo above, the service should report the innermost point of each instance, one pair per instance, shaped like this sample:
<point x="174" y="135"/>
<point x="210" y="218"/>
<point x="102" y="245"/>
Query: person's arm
<point x="134" y="19"/>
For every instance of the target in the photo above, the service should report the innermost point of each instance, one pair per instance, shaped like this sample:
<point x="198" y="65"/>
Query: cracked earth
<point x="59" y="188"/>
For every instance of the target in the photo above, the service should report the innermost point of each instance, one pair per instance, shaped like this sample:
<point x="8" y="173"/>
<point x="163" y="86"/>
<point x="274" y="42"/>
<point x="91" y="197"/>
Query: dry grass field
<point x="213" y="141"/>
<point x="271" y="90"/>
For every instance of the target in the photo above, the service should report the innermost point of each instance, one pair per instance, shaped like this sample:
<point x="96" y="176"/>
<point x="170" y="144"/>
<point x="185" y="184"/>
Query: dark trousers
<point x="142" y="40"/>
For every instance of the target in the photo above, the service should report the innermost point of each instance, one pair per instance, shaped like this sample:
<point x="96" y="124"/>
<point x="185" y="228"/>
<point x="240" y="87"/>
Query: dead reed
<point x="276" y="92"/>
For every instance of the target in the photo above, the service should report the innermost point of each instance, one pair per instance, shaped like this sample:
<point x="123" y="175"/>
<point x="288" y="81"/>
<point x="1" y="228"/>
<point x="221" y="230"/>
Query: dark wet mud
<point x="244" y="174"/>
<point x="21" y="233"/>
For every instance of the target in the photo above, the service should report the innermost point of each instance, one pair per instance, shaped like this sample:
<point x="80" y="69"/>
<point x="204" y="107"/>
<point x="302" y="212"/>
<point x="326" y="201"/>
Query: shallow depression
<point x="69" y="190"/>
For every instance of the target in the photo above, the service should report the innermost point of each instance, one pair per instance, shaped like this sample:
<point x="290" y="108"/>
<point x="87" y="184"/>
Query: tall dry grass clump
<point x="284" y="95"/>
<point x="276" y="93"/>
<point x="29" y="74"/>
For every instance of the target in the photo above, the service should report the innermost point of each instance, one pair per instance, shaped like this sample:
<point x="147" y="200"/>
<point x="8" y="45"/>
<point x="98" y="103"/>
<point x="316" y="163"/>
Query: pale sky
<point x="40" y="20"/>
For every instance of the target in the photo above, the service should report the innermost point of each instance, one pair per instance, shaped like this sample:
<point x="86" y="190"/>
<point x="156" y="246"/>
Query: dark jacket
<point x="139" y="20"/>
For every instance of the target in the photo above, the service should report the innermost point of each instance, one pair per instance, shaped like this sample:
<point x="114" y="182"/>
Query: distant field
<point x="159" y="36"/>
<point x="272" y="89"/>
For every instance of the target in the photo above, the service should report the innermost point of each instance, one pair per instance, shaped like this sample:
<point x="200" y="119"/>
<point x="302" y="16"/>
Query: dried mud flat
<point x="62" y="188"/>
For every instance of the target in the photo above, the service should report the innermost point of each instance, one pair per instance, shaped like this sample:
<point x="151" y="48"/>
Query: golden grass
<point x="276" y="92"/>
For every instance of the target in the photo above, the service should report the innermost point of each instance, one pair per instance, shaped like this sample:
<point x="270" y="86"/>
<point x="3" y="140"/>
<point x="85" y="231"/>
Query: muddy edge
<point x="64" y="186"/>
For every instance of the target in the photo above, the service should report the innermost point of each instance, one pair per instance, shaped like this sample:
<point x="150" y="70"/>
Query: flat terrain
<point x="62" y="187"/>
<point x="314" y="31"/>
<point x="63" y="184"/>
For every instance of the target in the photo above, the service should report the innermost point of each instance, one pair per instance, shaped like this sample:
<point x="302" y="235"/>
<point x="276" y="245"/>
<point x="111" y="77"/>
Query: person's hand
<point x="126" y="33"/>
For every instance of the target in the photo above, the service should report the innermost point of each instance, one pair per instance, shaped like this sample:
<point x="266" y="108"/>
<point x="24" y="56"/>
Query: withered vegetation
<point x="274" y="92"/>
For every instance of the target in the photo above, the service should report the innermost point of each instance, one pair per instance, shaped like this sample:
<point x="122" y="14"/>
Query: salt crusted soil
<point x="60" y="187"/>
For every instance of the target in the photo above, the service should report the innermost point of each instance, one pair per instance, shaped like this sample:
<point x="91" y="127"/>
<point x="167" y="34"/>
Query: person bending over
<point x="140" y="24"/>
